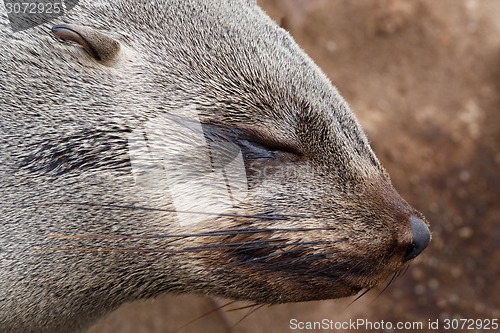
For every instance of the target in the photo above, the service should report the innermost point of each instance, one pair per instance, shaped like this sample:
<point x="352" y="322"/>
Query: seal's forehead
<point x="236" y="65"/>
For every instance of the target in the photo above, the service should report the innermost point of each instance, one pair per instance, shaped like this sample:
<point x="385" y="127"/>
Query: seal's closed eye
<point x="254" y="143"/>
<point x="98" y="45"/>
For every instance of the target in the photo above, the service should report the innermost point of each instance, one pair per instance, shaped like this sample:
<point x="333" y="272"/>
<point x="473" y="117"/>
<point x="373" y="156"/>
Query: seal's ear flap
<point x="98" y="45"/>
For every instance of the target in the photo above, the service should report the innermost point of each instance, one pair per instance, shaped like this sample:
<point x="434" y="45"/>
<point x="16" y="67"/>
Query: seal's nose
<point x="420" y="240"/>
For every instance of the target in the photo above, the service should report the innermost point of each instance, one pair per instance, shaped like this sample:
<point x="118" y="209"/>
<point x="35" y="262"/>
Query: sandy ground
<point x="423" y="78"/>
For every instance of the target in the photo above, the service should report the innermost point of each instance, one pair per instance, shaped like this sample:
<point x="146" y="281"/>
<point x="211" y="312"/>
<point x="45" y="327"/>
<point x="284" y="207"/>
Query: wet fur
<point x="64" y="123"/>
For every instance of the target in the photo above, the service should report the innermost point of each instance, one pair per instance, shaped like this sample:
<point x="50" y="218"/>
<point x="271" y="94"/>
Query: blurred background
<point x="423" y="78"/>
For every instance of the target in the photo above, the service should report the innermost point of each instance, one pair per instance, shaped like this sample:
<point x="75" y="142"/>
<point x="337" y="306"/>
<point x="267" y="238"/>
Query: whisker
<point x="202" y="316"/>
<point x="369" y="255"/>
<point x="240" y="247"/>
<point x="338" y="264"/>
<point x="245" y="316"/>
<point x="194" y="249"/>
<point x="226" y="245"/>
<point x="243" y="307"/>
<point x="309" y="257"/>
<point x="148" y="250"/>
<point x="109" y="250"/>
<point x="276" y="254"/>
<point x="394" y="276"/>
<point x="271" y="217"/>
<point x="350" y="259"/>
<point x="381" y="260"/>
<point x="362" y="269"/>
<point x="312" y="256"/>
<point x="204" y="234"/>
<point x="243" y="245"/>
<point x="357" y="298"/>
<point x="259" y="258"/>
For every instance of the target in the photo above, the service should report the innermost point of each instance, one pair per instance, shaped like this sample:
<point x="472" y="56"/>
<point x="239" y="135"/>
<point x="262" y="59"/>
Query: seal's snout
<point x="420" y="240"/>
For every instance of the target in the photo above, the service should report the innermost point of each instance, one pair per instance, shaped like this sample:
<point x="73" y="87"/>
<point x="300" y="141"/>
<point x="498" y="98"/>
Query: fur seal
<point x="97" y="133"/>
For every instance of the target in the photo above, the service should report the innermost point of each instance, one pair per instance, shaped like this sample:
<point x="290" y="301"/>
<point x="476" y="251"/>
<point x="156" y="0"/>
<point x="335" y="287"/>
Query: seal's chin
<point x="274" y="282"/>
<point x="344" y="285"/>
<point x="332" y="287"/>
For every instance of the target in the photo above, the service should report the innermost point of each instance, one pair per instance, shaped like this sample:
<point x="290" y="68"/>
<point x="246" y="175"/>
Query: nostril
<point x="420" y="240"/>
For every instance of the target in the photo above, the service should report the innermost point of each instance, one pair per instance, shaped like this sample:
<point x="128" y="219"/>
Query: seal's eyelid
<point x="270" y="143"/>
<point x="250" y="138"/>
<point x="100" y="46"/>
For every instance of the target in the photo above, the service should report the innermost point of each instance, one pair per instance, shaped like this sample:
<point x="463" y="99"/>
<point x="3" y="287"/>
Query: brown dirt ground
<point x="423" y="78"/>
